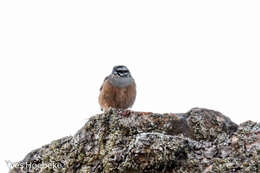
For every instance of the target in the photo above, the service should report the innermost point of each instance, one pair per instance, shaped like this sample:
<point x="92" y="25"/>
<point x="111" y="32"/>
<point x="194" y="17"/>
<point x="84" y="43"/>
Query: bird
<point x="118" y="89"/>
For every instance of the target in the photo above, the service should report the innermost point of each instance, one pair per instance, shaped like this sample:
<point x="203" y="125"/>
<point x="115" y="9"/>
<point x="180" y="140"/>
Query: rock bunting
<point x="118" y="89"/>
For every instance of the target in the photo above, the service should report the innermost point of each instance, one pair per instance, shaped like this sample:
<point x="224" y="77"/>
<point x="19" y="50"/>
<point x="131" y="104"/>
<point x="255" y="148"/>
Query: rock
<point x="124" y="141"/>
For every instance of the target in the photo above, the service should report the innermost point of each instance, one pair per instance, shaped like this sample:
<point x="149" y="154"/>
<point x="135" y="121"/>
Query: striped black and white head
<point x="121" y="71"/>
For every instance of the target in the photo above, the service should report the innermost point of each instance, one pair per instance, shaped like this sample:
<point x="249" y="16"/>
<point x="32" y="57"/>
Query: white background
<point x="54" y="56"/>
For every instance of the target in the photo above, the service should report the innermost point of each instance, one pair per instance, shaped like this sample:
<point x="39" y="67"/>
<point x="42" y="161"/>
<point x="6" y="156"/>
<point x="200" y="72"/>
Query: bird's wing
<point x="103" y="83"/>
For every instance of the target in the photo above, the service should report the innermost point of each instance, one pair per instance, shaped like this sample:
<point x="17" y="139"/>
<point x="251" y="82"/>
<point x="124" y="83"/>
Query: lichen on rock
<point x="125" y="141"/>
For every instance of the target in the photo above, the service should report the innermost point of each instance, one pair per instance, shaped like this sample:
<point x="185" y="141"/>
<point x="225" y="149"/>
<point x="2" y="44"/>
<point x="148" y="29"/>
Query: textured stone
<point x="124" y="141"/>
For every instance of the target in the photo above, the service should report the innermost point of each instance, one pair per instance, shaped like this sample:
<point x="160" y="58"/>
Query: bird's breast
<point x="121" y="82"/>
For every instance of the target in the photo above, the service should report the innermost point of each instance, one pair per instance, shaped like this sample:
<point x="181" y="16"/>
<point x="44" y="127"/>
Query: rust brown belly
<point x="115" y="97"/>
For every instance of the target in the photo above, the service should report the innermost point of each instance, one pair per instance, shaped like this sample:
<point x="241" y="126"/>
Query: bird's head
<point x="121" y="71"/>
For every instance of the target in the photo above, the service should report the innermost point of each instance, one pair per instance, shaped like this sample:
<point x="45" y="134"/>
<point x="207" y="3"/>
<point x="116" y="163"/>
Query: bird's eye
<point x="122" y="71"/>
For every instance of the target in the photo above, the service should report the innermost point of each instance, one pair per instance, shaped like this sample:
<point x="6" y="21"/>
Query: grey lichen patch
<point x="156" y="152"/>
<point x="207" y="125"/>
<point x="124" y="141"/>
<point x="244" y="155"/>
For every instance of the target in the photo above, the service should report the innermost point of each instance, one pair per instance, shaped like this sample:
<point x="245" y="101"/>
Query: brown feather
<point x="115" y="97"/>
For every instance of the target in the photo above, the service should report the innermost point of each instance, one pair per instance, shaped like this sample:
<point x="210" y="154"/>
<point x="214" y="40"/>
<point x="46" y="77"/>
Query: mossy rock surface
<point x="124" y="141"/>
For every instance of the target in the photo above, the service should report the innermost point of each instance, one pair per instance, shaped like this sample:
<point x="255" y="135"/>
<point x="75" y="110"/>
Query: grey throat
<point x="120" y="82"/>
